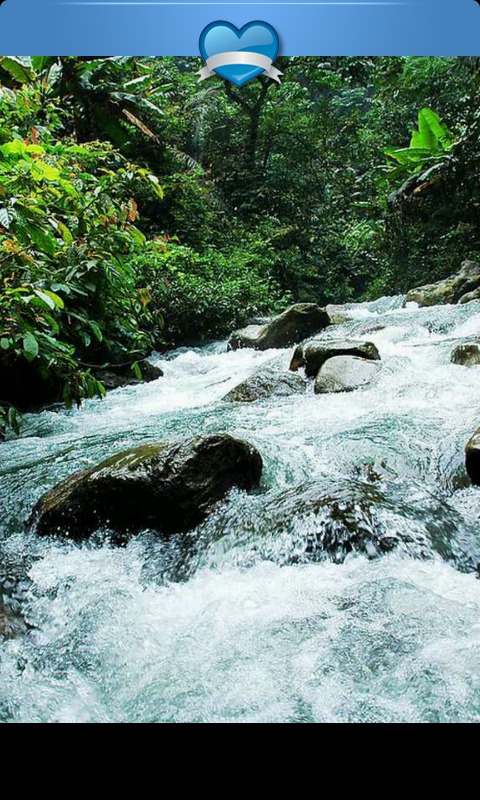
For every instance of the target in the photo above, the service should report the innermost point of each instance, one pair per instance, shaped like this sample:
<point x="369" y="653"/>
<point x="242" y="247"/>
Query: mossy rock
<point x="450" y="291"/>
<point x="168" y="487"/>
<point x="466" y="355"/>
<point x="295" y="324"/>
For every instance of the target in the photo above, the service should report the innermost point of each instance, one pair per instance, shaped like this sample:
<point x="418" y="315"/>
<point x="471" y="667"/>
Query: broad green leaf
<point x="64" y="233"/>
<point x="50" y="299"/>
<point x="41" y="301"/>
<point x="96" y="330"/>
<point x="19" y="67"/>
<point x="156" y="185"/>
<point x="41" y="63"/>
<point x="30" y="346"/>
<point x="137" y="236"/>
<point x="35" y="150"/>
<point x="428" y="119"/>
<point x="137" y="371"/>
<point x="410" y="155"/>
<point x="42" y="240"/>
<point x="58" y="302"/>
<point x="41" y="171"/>
<point x="14" y="148"/>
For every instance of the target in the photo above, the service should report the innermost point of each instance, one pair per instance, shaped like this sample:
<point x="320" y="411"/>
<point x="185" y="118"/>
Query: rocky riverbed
<point x="343" y="588"/>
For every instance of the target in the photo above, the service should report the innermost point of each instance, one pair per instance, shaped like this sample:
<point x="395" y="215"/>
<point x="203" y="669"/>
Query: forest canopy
<point x="140" y="209"/>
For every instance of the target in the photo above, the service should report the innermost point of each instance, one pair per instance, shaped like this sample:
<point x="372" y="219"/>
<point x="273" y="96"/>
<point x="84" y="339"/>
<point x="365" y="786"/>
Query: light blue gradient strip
<point x="147" y="27"/>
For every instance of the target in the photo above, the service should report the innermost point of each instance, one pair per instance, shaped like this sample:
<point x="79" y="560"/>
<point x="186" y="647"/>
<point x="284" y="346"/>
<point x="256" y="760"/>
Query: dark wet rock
<point x="346" y="374"/>
<point x="467" y="298"/>
<point x="313" y="355"/>
<point x="296" y="323"/>
<point x="472" y="458"/>
<point x="466" y="355"/>
<point x="269" y="381"/>
<point x="12" y="623"/>
<point x="449" y="291"/>
<point x="346" y="525"/>
<point x="168" y="487"/>
<point x="114" y="377"/>
<point x="14" y="586"/>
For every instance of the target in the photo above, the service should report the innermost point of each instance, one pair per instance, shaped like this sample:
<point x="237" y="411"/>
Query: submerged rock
<point x="169" y="487"/>
<point x="313" y="355"/>
<point x="472" y="458"/>
<point x="332" y="519"/>
<point x="345" y="374"/>
<point x="456" y="289"/>
<point x="466" y="355"/>
<point x="14" y="586"/>
<point x="349" y="524"/>
<point x="269" y="381"/>
<point x="12" y="623"/>
<point x="296" y="323"/>
<point x="114" y="377"/>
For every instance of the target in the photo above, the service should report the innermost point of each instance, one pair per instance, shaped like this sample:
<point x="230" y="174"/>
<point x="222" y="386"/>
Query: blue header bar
<point x="145" y="27"/>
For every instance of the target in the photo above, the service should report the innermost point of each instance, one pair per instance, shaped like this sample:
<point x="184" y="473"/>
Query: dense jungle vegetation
<point x="140" y="209"/>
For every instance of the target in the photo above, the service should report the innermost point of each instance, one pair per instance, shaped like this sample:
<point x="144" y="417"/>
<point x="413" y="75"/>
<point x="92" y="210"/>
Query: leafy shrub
<point x="194" y="296"/>
<point x="68" y="298"/>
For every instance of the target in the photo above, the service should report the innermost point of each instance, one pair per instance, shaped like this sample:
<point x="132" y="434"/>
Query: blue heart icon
<point x="255" y="37"/>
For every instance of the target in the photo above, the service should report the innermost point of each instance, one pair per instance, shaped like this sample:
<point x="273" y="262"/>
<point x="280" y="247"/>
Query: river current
<point x="247" y="619"/>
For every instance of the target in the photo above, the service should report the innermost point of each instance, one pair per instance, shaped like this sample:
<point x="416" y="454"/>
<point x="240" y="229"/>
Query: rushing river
<point x="246" y="619"/>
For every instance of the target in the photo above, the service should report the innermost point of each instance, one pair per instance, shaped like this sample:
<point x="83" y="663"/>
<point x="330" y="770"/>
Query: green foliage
<point x="193" y="296"/>
<point x="140" y="209"/>
<point x="68" y="297"/>
<point x="429" y="151"/>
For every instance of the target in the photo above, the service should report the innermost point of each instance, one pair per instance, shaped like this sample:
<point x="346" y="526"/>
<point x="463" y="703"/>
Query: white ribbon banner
<point x="231" y="59"/>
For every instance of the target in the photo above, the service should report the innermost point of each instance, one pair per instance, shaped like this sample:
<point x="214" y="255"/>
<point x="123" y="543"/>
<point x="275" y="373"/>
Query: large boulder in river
<point x="269" y="381"/>
<point x="345" y="374"/>
<point x="466" y="355"/>
<point x="472" y="458"/>
<point x="449" y="291"/>
<point x="168" y="487"/>
<point x="296" y="323"/>
<point x="313" y="355"/>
